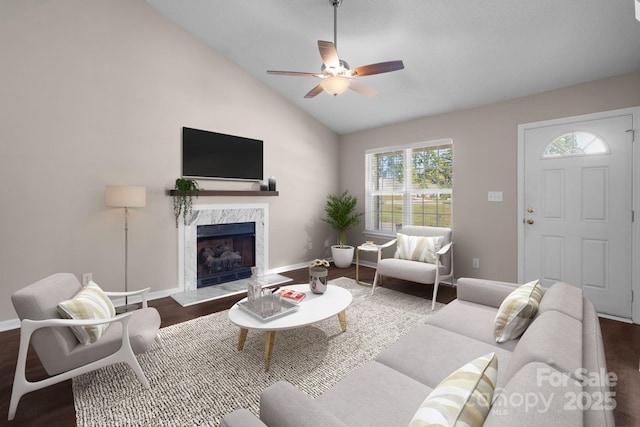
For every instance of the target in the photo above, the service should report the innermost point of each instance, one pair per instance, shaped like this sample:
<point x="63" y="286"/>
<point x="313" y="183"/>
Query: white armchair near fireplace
<point x="60" y="352"/>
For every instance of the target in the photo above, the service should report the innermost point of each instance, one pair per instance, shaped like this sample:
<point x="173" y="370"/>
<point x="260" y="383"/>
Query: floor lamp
<point x="125" y="196"/>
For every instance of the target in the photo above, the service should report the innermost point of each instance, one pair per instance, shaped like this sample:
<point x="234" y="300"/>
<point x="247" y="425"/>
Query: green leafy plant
<point x="183" y="198"/>
<point x="341" y="215"/>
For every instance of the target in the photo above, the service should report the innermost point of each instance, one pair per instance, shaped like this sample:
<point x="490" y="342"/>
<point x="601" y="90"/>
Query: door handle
<point x="530" y="209"/>
<point x="530" y="221"/>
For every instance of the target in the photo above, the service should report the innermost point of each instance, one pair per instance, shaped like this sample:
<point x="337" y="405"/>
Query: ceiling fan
<point x="335" y="74"/>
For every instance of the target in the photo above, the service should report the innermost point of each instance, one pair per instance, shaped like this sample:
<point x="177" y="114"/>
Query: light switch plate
<point x="494" y="196"/>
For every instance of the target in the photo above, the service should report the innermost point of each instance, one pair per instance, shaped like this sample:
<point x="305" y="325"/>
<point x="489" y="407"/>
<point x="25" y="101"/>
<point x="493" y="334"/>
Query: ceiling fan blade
<point x="362" y="88"/>
<point x="381" y="67"/>
<point x="293" y="73"/>
<point x="313" y="92"/>
<point x="329" y="54"/>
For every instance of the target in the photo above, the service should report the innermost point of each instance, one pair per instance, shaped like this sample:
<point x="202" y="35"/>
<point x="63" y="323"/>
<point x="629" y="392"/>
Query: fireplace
<point x="226" y="252"/>
<point x="214" y="218"/>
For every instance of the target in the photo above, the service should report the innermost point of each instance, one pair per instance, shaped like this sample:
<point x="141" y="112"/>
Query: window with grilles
<point x="409" y="185"/>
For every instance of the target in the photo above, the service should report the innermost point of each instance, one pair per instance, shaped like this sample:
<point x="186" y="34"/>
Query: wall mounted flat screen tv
<point x="212" y="155"/>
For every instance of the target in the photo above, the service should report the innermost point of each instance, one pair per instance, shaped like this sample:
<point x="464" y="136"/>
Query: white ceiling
<point x="457" y="53"/>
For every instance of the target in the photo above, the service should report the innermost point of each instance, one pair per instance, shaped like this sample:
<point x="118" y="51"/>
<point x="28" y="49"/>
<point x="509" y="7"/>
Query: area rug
<point x="199" y="376"/>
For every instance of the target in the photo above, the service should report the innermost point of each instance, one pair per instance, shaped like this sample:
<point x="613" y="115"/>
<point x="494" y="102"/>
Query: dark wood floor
<point x="53" y="406"/>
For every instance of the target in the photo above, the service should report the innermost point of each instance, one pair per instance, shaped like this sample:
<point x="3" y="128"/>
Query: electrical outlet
<point x="310" y="244"/>
<point x="494" y="196"/>
<point x="476" y="263"/>
<point x="86" y="278"/>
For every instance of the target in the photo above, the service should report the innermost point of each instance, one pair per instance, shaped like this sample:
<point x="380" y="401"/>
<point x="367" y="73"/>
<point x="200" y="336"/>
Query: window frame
<point x="407" y="188"/>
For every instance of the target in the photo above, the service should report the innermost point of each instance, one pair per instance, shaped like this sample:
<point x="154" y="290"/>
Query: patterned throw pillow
<point x="517" y="311"/>
<point x="89" y="303"/>
<point x="461" y="399"/>
<point x="418" y="248"/>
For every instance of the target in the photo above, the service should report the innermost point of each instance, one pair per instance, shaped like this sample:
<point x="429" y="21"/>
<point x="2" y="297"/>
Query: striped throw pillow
<point x="461" y="399"/>
<point x="517" y="311"/>
<point x="89" y="303"/>
<point x="418" y="248"/>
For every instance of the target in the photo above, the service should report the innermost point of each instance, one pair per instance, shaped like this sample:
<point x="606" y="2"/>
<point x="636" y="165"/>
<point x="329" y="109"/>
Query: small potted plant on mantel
<point x="183" y="198"/>
<point x="341" y="215"/>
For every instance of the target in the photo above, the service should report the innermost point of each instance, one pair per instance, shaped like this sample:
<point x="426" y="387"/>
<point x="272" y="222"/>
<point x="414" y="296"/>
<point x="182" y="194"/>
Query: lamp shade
<point x="125" y="196"/>
<point x="335" y="85"/>
<point x="637" y="9"/>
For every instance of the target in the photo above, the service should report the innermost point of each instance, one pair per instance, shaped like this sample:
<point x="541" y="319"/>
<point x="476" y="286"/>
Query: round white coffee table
<point x="313" y="308"/>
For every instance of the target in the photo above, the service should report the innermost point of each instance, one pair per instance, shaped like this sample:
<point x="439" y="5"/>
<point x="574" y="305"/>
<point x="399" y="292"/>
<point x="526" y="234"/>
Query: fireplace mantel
<point x="227" y="193"/>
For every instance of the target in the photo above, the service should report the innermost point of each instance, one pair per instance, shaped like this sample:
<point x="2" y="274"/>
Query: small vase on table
<point x="318" y="276"/>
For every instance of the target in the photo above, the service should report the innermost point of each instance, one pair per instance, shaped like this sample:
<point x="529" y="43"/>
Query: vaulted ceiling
<point x="457" y="53"/>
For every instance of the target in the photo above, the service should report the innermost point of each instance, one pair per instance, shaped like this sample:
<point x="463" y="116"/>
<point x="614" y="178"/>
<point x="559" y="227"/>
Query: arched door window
<point x="575" y="144"/>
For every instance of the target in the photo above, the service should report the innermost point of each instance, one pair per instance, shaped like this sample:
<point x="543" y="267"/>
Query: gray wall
<point x="95" y="93"/>
<point x="485" y="149"/>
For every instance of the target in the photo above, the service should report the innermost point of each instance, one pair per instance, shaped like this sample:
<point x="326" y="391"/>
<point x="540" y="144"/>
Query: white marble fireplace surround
<point x="187" y="250"/>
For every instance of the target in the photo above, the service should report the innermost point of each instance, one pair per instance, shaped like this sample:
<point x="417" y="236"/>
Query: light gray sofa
<point x="555" y="374"/>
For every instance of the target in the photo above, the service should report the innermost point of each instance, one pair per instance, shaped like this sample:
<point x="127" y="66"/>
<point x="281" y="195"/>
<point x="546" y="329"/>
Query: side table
<point x="367" y="247"/>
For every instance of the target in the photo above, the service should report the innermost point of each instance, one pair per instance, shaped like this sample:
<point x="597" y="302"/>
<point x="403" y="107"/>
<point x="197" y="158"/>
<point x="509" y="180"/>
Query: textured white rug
<point x="199" y="375"/>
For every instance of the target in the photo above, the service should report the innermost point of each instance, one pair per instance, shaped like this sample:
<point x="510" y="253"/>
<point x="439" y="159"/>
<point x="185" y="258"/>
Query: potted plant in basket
<point x="183" y="198"/>
<point x="341" y="215"/>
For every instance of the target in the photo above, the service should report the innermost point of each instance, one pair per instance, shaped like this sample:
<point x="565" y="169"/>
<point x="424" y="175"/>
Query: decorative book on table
<point x="291" y="295"/>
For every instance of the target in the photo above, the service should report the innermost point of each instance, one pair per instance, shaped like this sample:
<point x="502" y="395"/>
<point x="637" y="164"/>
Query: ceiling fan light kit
<point x="335" y="85"/>
<point x="335" y="74"/>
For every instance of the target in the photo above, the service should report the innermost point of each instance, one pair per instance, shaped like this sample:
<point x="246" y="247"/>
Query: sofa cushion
<point x="564" y="298"/>
<point x="88" y="304"/>
<point x="554" y="339"/>
<point x="374" y="395"/>
<point x="429" y="353"/>
<point x="537" y="395"/>
<point x="486" y="292"/>
<point x="418" y="248"/>
<point x="478" y="322"/>
<point x="463" y="398"/>
<point x="284" y="405"/>
<point x="517" y="311"/>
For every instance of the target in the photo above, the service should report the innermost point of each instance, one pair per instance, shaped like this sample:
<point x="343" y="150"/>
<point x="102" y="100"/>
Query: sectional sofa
<point x="554" y="374"/>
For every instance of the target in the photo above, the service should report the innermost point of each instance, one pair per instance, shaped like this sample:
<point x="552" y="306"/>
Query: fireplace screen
<point x="226" y="252"/>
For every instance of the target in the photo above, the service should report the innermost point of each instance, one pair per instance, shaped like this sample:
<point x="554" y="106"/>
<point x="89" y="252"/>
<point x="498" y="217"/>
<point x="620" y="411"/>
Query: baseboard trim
<point x="619" y="319"/>
<point x="7" y="325"/>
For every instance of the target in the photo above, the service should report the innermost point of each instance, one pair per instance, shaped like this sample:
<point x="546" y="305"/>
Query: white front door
<point x="577" y="207"/>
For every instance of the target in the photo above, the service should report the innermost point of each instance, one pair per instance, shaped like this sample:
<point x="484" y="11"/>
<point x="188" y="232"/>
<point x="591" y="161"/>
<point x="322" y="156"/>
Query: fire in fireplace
<point x="226" y="252"/>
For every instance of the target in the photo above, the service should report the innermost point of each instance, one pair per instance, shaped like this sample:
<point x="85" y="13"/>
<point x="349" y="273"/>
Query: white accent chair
<point x="416" y="271"/>
<point x="60" y="352"/>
